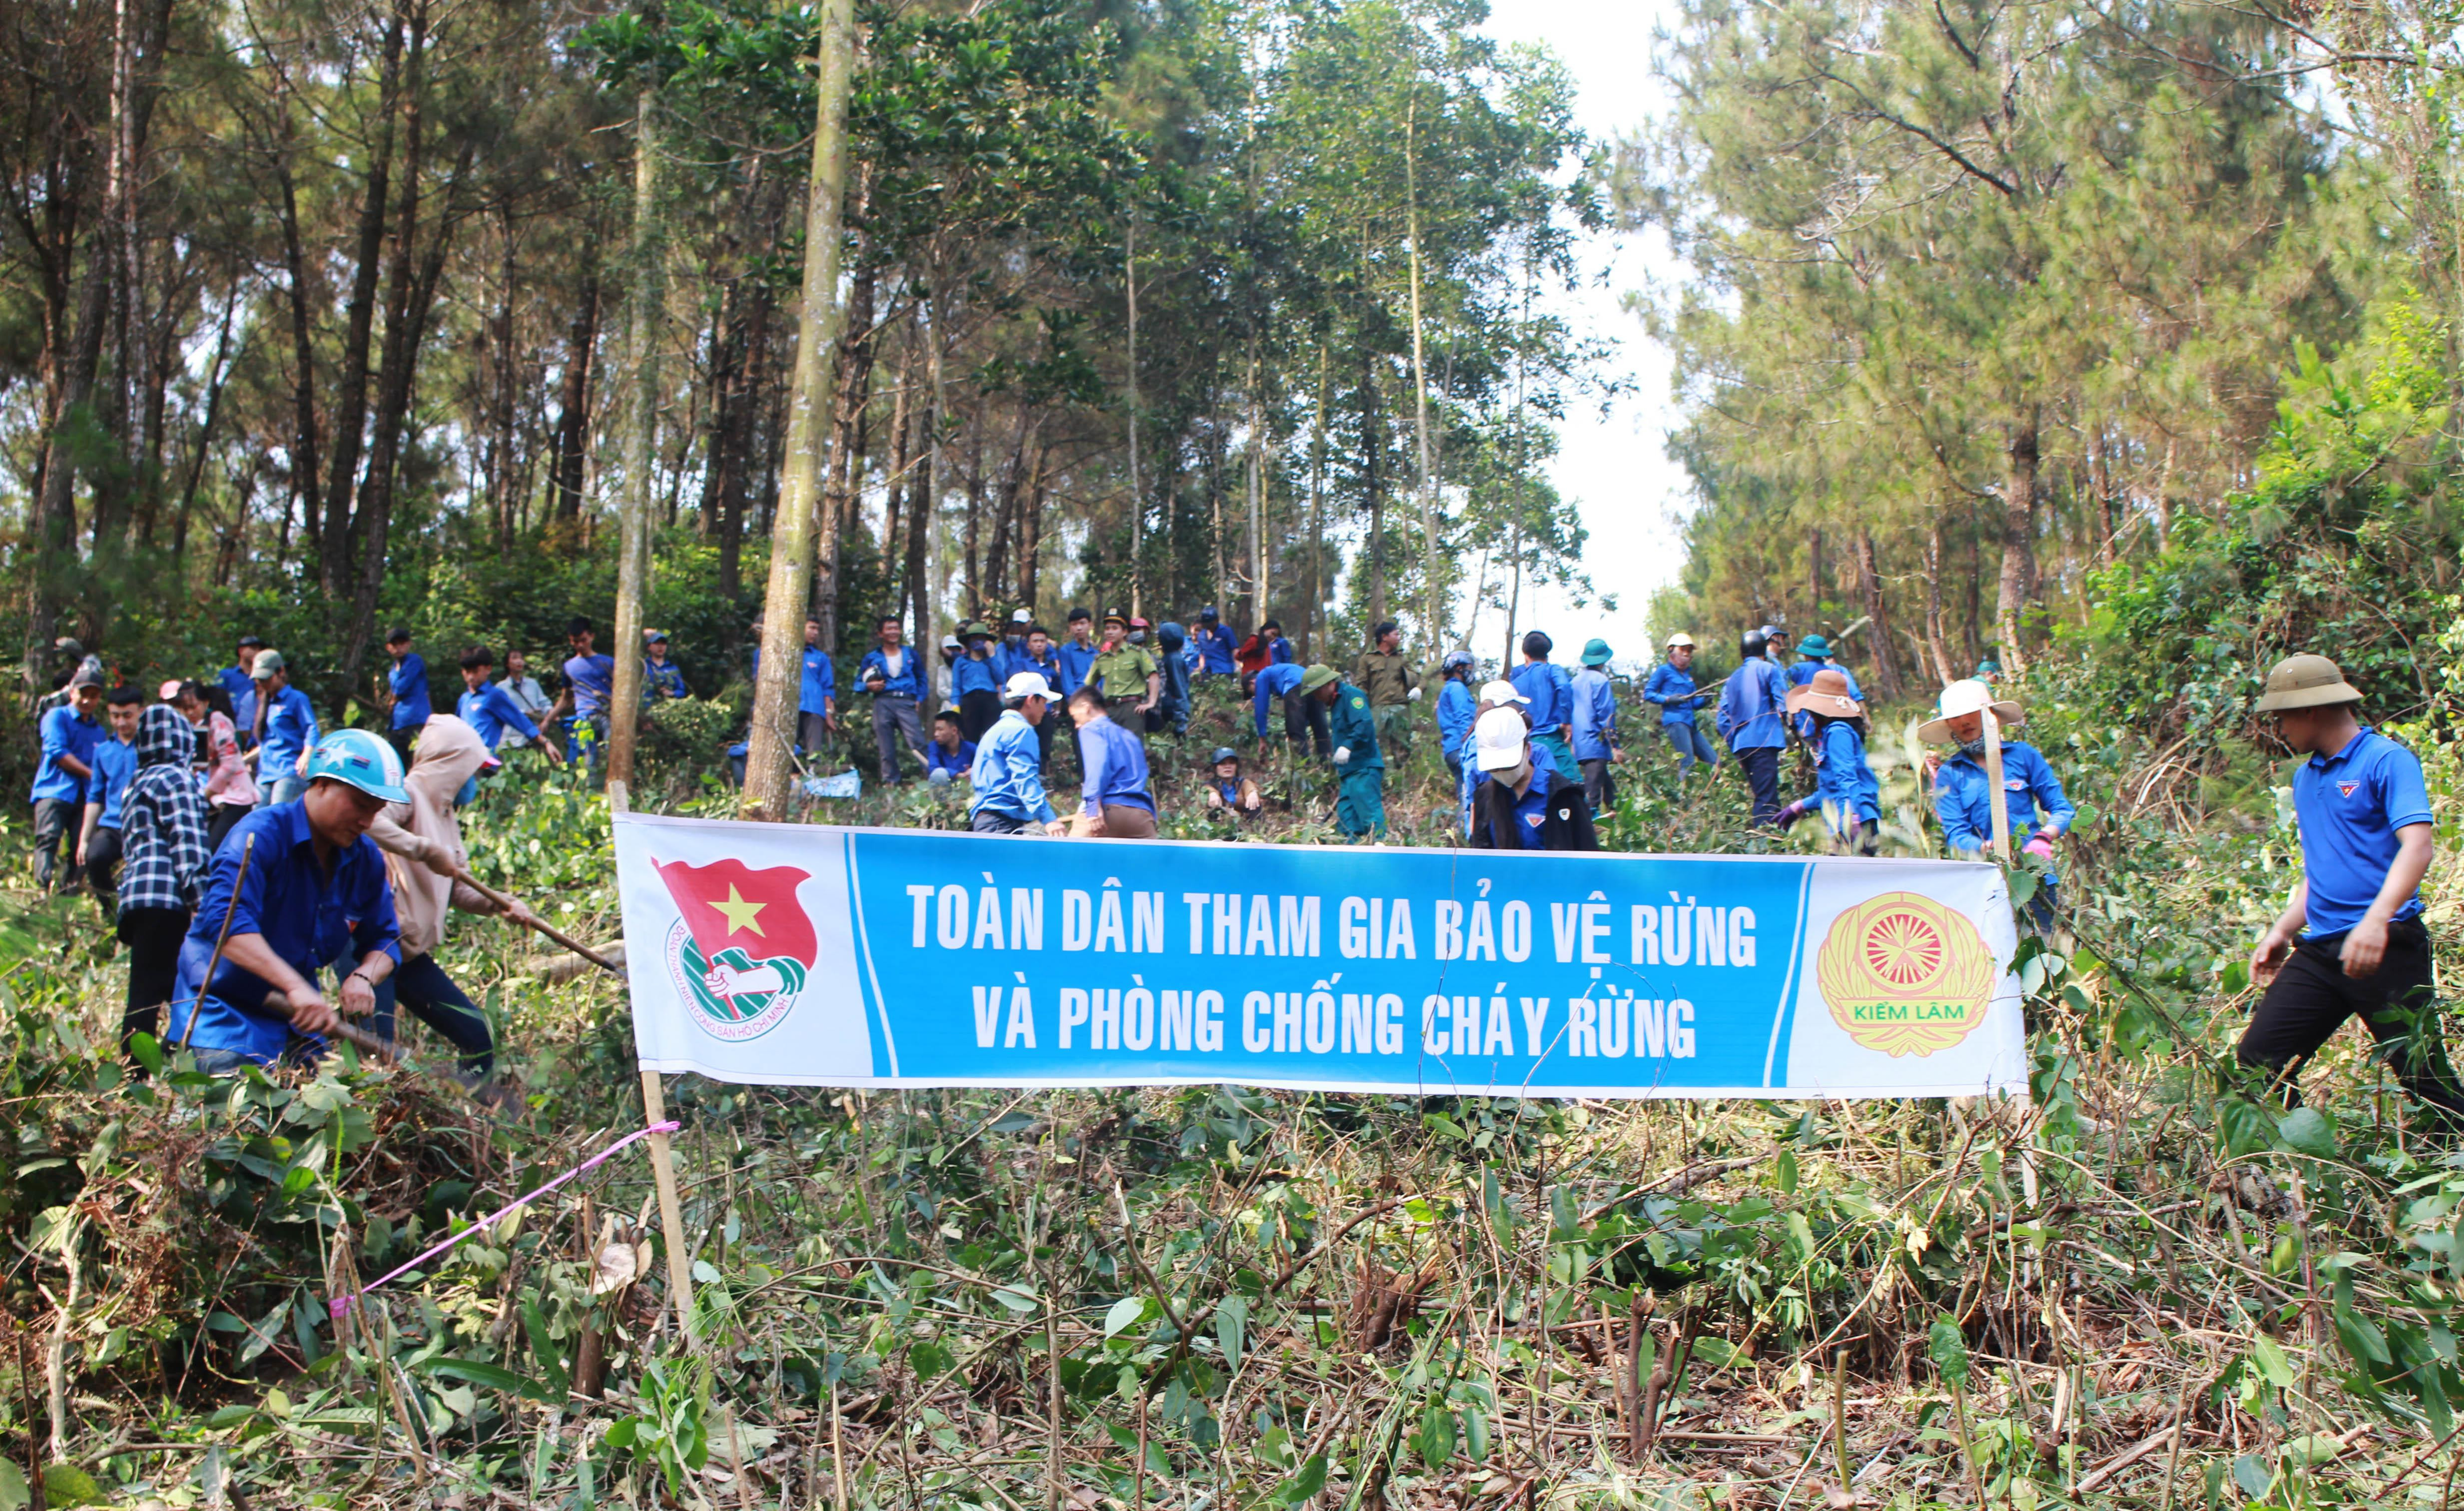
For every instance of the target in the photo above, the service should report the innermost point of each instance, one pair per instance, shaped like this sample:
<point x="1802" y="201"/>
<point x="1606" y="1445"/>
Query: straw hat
<point x="1967" y="696"/>
<point x="1826" y="695"/>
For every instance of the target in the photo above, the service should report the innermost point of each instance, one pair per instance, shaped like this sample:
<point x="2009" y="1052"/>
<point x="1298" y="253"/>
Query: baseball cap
<point x="1499" y="738"/>
<point x="1024" y="685"/>
<point x="268" y="663"/>
<point x="1501" y="691"/>
<point x="1020" y="616"/>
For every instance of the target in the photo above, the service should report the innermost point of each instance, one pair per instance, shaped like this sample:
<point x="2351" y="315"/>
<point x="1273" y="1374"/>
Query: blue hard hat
<point x="357" y="758"/>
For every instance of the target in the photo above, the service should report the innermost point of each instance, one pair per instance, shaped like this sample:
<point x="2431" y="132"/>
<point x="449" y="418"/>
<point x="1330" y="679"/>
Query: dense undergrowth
<point x="2139" y="1287"/>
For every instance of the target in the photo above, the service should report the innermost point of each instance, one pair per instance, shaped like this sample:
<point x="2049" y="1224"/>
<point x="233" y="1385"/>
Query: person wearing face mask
<point x="1516" y="806"/>
<point x="1963" y="795"/>
<point x="1124" y="669"/>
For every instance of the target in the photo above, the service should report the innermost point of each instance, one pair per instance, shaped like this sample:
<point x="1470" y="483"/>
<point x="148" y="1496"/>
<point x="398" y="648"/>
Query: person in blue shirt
<point x="1670" y="689"/>
<point x="1033" y="653"/>
<point x="406" y="692"/>
<point x="1117" y="801"/>
<point x="1846" y="789"/>
<point x="1010" y="656"/>
<point x="1750" y="720"/>
<point x="893" y="674"/>
<point x="1076" y="652"/>
<point x="1171" y="706"/>
<point x="975" y="681"/>
<point x="69" y="734"/>
<point x="589" y="687"/>
<point x="1594" y="726"/>
<point x="492" y="712"/>
<point x="239" y="684"/>
<point x="1280" y="683"/>
<point x="1227" y="791"/>
<point x="1360" y="797"/>
<point x="1551" y="695"/>
<point x="948" y="755"/>
<point x="2350" y="940"/>
<point x="316" y="891"/>
<point x="1218" y="651"/>
<point x="1517" y="802"/>
<point x="1815" y="657"/>
<point x="115" y="767"/>
<point x="661" y="677"/>
<point x="1008" y="772"/>
<point x="1962" y="791"/>
<point x="1456" y="707"/>
<point x="817" y="692"/>
<point x="286" y="729"/>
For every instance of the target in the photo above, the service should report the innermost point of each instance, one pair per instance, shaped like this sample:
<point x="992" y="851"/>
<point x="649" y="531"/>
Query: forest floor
<point x="2137" y="1288"/>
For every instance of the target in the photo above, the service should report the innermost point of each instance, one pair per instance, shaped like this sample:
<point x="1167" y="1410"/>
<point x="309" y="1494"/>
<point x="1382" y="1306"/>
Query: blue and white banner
<point x="788" y="954"/>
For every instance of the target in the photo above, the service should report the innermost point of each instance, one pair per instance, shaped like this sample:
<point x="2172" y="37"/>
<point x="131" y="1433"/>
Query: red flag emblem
<point x="729" y="905"/>
<point x="2348" y="788"/>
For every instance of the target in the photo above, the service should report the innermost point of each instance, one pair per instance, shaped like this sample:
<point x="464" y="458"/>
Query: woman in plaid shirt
<point x="163" y="856"/>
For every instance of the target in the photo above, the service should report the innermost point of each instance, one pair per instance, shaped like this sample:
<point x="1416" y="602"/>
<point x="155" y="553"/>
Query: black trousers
<point x="227" y="817"/>
<point x="153" y="936"/>
<point x="978" y="711"/>
<point x="400" y="739"/>
<point x="422" y="986"/>
<point x="2311" y="998"/>
<point x="102" y="860"/>
<point x="1762" y="774"/>
<point x="1304" y="720"/>
<point x="56" y="826"/>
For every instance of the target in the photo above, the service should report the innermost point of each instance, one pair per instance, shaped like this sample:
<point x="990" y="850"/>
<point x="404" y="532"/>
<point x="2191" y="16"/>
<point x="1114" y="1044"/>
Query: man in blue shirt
<point x="1010" y="657"/>
<point x="1115" y="801"/>
<point x="69" y="735"/>
<point x="1551" y="693"/>
<point x="975" y="681"/>
<point x="1962" y="789"/>
<point x="240" y="684"/>
<point x="286" y="728"/>
<point x="589" y="687"/>
<point x="661" y="677"/>
<point x="2350" y="939"/>
<point x="1033" y="653"/>
<point x="1282" y="680"/>
<point x="115" y="767"/>
<point x="1670" y="689"/>
<point x="895" y="676"/>
<point x="1077" y="653"/>
<point x="949" y="757"/>
<point x="316" y="889"/>
<point x="817" y="697"/>
<point x="1008" y="773"/>
<point x="490" y="710"/>
<point x="1594" y="726"/>
<point x="1216" y="646"/>
<point x="1751" y="709"/>
<point x="1816" y="653"/>
<point x="1456" y="708"/>
<point x="406" y="692"/>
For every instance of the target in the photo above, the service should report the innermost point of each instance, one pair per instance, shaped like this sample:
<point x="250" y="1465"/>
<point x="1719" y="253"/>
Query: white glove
<point x="1413" y="695"/>
<point x="1342" y="754"/>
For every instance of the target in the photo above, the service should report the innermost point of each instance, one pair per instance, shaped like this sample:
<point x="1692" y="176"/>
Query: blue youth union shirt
<point x="408" y="681"/>
<point x="305" y="916"/>
<point x="115" y="767"/>
<point x="2350" y="805"/>
<point x="490" y="711"/>
<point x="821" y="683"/>
<point x="593" y="681"/>
<point x="64" y="734"/>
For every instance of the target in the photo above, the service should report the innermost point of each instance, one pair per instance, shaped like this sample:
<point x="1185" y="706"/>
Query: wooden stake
<point x="1993" y="775"/>
<point x="672" y="1220"/>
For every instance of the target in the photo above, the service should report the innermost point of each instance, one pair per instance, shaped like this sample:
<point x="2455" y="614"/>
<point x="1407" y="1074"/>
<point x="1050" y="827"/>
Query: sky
<point x="1614" y="465"/>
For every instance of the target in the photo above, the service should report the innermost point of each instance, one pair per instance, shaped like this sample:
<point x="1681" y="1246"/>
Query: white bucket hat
<point x="1025" y="685"/>
<point x="1499" y="739"/>
<point x="1501" y="691"/>
<point x="1967" y="696"/>
<point x="1680" y="637"/>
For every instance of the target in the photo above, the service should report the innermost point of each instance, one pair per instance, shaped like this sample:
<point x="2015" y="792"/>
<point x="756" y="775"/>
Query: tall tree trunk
<point x="216" y="374"/>
<point x="1935" y="644"/>
<point x="1886" y="651"/>
<point x="57" y="573"/>
<point x="818" y="329"/>
<point x="304" y="350"/>
<point x="2018" y="583"/>
<point x="564" y="477"/>
<point x="358" y="320"/>
<point x="1972" y="625"/>
<point x="1254" y="610"/>
<point x="1030" y="531"/>
<point x="1433" y="627"/>
<point x="974" y="597"/>
<point x="895" y="496"/>
<point x="928" y="516"/>
<point x="1137" y="491"/>
<point x="1813" y="581"/>
<point x="633" y="548"/>
<point x="856" y="350"/>
<point x="505" y="381"/>
<point x="1375" y="483"/>
<point x="1317" y="509"/>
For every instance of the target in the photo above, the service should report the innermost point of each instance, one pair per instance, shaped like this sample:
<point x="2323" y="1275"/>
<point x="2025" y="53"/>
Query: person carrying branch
<point x="313" y="891"/>
<point x="2350" y="940"/>
<point x="423" y="844"/>
<point x="1963" y="790"/>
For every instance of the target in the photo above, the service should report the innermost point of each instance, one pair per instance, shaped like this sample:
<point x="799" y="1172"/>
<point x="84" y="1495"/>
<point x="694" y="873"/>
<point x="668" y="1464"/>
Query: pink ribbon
<point x="342" y="1304"/>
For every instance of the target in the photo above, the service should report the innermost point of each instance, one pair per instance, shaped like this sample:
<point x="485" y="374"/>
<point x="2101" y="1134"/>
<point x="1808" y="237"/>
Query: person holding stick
<point x="2350" y="939"/>
<point x="1964" y="785"/>
<point x="424" y="860"/>
<point x="296" y="885"/>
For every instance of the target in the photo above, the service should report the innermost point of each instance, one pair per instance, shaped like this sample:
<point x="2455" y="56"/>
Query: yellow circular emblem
<point x="1904" y="974"/>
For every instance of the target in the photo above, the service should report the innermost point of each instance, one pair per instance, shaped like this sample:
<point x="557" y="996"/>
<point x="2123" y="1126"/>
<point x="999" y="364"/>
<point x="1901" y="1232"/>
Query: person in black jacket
<point x="1516" y="807"/>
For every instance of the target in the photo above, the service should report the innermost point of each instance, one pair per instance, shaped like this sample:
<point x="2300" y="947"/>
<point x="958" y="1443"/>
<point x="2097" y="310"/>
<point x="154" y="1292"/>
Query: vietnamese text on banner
<point x="792" y="954"/>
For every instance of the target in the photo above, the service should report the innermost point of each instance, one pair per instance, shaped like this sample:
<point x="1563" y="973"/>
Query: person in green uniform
<point x="1392" y="683"/>
<point x="1126" y="673"/>
<point x="1360" y="801"/>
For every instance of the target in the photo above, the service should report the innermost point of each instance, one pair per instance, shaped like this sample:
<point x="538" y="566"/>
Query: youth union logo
<point x="741" y="948"/>
<point x="1905" y="975"/>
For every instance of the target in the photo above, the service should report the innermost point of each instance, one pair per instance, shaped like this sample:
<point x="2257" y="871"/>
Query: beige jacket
<point x="423" y="844"/>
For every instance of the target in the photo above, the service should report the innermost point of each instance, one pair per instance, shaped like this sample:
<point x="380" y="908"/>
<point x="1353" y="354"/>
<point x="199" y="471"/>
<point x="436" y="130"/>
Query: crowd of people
<point x="244" y="854"/>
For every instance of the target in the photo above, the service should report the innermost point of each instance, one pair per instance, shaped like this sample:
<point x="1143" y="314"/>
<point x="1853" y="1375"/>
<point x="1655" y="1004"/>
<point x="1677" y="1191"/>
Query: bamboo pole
<point x="1993" y="775"/>
<point x="671" y="1218"/>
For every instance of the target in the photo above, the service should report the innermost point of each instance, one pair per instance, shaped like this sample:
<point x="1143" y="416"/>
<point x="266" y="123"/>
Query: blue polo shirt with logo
<point x="2350" y="805"/>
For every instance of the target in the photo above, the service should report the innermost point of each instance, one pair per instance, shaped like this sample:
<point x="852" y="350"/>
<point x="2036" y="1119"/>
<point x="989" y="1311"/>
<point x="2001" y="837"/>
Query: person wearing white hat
<point x="1008" y="773"/>
<point x="2350" y="940"/>
<point x="1116" y="800"/>
<point x="1963" y="795"/>
<point x="1670" y="689"/>
<point x="1515" y="805"/>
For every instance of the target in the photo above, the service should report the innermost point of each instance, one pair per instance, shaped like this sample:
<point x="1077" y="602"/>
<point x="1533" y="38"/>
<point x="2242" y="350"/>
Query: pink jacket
<point x="227" y="779"/>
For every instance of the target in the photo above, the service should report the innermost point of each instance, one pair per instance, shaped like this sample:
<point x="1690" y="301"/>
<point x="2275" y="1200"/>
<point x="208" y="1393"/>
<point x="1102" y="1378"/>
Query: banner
<point x="790" y="954"/>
